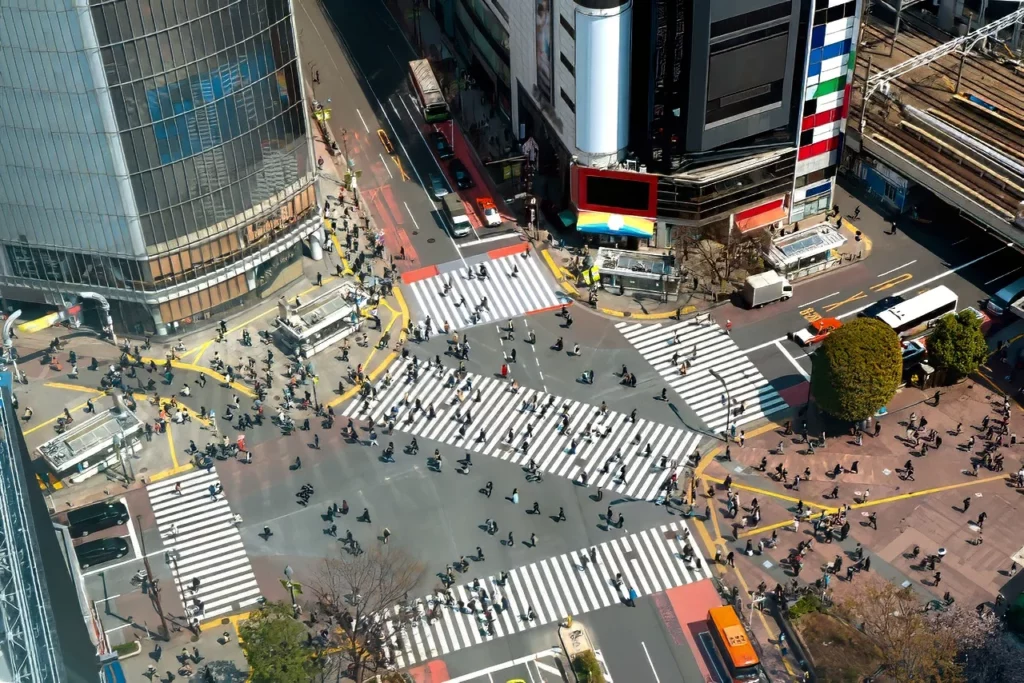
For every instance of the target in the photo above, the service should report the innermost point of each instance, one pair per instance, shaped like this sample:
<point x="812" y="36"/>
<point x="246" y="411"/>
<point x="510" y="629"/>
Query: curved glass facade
<point x="207" y="100"/>
<point x="149" y="144"/>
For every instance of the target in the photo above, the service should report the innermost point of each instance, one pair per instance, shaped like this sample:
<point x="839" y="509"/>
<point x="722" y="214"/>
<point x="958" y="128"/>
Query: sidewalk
<point x="224" y="658"/>
<point x="923" y="509"/>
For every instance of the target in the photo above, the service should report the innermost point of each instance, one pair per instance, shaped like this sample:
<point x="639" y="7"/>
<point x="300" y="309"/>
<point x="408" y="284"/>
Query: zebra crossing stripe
<point x="650" y="562"/>
<point x="501" y="410"/>
<point x="710" y="350"/>
<point x="508" y="295"/>
<point x="207" y="545"/>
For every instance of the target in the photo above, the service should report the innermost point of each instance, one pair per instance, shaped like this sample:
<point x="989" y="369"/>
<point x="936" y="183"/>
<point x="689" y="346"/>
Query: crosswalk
<point x="533" y="417"/>
<point x="711" y="351"/>
<point x="514" y="286"/>
<point x="198" y="530"/>
<point x="650" y="561"/>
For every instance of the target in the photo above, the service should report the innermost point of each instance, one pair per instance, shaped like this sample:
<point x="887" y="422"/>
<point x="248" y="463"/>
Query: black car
<point x="883" y="304"/>
<point x="440" y="144"/>
<point x="462" y="178"/>
<point x="92" y="518"/>
<point x="100" y="551"/>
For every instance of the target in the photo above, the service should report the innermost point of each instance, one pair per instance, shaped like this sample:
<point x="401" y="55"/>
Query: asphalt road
<point x="362" y="58"/>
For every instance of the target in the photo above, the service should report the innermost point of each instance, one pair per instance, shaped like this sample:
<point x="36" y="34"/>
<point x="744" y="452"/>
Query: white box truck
<point x="764" y="288"/>
<point x="456" y="212"/>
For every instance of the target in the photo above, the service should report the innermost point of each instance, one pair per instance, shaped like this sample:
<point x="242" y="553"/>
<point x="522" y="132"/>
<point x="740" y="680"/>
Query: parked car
<point x="438" y="186"/>
<point x="488" y="211"/>
<point x="99" y="551"/>
<point x="92" y="518"/>
<point x="816" y="331"/>
<point x="460" y="173"/>
<point x="441" y="145"/>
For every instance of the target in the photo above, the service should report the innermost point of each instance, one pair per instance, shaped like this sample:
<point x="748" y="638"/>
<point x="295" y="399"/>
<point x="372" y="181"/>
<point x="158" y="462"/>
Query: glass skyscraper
<point x="156" y="152"/>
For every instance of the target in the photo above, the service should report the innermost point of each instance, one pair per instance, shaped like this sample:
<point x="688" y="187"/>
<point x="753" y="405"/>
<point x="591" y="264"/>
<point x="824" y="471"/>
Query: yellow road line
<point x="925" y="492"/>
<point x="170" y="442"/>
<point x="240" y="388"/>
<point x="557" y="272"/>
<point x="773" y="494"/>
<point x="404" y="309"/>
<point x="170" y="473"/>
<point x="200" y="351"/>
<point x="72" y="387"/>
<point x="764" y="529"/>
<point x="346" y="270"/>
<point x="373" y="375"/>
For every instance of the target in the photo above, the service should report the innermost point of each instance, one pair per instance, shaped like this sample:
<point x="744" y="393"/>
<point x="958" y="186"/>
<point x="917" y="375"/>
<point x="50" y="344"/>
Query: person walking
<point x="561" y="514"/>
<point x="936" y="579"/>
<point x="515" y="496"/>
<point x="873" y="521"/>
<point x="386" y="534"/>
<point x="316" y="441"/>
<point x="511" y="541"/>
<point x="967" y="504"/>
<point x="981" y="520"/>
<point x="533" y="540"/>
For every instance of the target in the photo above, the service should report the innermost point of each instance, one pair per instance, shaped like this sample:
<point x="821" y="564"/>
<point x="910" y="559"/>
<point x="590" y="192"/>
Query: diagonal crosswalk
<point x="492" y="409"/>
<point x="199" y="531"/>
<point x="650" y="561"/>
<point x="514" y="286"/>
<point x="711" y="351"/>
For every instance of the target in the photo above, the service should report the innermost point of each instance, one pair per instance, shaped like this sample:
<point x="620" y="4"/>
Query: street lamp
<point x="155" y="594"/>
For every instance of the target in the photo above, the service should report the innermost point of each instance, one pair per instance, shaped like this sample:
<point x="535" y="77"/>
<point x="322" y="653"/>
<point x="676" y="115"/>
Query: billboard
<point x="617" y="192"/>
<point x="602" y="80"/>
<point x="545" y="49"/>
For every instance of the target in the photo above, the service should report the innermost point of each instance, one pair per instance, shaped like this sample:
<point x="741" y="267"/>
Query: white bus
<point x="913" y="315"/>
<point x="432" y="103"/>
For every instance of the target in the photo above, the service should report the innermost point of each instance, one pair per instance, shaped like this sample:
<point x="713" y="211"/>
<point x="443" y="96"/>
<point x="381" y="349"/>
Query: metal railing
<point x="27" y="627"/>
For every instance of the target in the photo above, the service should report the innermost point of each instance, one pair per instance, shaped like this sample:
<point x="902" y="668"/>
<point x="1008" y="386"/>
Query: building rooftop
<point x="81" y="441"/>
<point x="326" y="307"/>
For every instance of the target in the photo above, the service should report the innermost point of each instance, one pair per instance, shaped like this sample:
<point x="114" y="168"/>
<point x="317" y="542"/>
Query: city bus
<point x="733" y="644"/>
<point x="432" y="103"/>
<point x="913" y="315"/>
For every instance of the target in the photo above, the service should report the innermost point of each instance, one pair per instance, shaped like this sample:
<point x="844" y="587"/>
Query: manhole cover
<point x="430" y="240"/>
<point x="626" y="314"/>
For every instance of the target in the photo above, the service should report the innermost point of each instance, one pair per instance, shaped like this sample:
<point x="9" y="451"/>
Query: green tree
<point x="958" y="345"/>
<point x="275" y="646"/>
<point x="857" y="369"/>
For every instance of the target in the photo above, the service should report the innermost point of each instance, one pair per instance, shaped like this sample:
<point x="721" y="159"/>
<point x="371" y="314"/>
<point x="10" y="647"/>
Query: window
<point x="565" y="98"/>
<point x="567" y="26"/>
<point x="890" y="192"/>
<point x="568" y="65"/>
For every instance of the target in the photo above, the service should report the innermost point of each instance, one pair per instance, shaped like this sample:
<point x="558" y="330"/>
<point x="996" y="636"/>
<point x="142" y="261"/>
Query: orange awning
<point x="761" y="219"/>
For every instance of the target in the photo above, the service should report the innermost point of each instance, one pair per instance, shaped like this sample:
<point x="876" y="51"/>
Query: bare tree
<point x="367" y="593"/>
<point x="915" y="646"/>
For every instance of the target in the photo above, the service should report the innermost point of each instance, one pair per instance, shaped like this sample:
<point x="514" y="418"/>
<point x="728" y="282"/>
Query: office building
<point x="694" y="114"/>
<point x="155" y="152"/>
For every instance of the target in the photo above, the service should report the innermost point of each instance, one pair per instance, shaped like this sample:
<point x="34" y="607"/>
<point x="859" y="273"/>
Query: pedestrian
<point x="873" y="521"/>
<point x="936" y="579"/>
<point x="177" y="488"/>
<point x="386" y="534"/>
<point x="981" y="520"/>
<point x="515" y="496"/>
<point x="511" y="542"/>
<point x="533" y="540"/>
<point x="316" y="441"/>
<point x="561" y="514"/>
<point x="730" y="559"/>
<point x="967" y="504"/>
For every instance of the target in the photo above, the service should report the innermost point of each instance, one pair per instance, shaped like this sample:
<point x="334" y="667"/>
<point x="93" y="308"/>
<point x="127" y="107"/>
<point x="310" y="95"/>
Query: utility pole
<point x="896" y="32"/>
<point x="153" y="586"/>
<point x="963" y="58"/>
